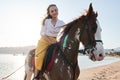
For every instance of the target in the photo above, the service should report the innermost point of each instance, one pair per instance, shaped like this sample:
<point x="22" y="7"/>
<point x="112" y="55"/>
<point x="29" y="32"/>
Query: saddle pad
<point x="49" y="58"/>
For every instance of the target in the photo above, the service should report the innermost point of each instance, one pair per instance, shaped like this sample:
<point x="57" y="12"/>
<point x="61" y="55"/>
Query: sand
<point x="106" y="72"/>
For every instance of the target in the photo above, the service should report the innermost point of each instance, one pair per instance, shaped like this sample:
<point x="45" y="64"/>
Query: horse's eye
<point x="94" y="29"/>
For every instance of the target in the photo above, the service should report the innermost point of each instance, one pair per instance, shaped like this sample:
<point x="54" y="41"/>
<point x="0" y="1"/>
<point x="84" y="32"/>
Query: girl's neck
<point x="54" y="19"/>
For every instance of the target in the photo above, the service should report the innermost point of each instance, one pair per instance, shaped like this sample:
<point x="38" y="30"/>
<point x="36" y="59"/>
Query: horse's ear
<point x="90" y="10"/>
<point x="96" y="14"/>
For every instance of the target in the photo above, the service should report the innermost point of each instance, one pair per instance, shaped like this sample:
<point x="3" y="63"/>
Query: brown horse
<point x="86" y="30"/>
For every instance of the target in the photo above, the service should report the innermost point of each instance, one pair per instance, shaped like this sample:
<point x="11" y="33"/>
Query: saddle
<point x="50" y="57"/>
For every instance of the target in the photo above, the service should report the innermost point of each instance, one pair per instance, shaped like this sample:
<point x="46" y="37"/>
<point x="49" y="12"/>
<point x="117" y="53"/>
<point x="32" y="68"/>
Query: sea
<point x="12" y="66"/>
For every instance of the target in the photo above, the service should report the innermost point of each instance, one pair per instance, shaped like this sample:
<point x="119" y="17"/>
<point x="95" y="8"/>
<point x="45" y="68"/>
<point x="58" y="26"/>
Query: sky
<point x="20" y="20"/>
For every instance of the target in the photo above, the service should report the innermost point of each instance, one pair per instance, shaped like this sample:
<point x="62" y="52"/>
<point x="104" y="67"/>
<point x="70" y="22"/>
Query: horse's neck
<point x="70" y="43"/>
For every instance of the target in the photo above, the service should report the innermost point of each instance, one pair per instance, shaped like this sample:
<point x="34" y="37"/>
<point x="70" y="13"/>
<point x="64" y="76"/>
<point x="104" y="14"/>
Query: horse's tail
<point x="25" y="76"/>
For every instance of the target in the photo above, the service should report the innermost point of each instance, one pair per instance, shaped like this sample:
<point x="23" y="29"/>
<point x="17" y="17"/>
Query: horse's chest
<point x="62" y="67"/>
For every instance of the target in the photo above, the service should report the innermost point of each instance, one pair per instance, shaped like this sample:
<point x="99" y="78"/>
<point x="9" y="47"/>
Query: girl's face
<point x="53" y="11"/>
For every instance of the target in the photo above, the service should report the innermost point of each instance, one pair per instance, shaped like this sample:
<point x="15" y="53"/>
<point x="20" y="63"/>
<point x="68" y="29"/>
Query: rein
<point x="12" y="73"/>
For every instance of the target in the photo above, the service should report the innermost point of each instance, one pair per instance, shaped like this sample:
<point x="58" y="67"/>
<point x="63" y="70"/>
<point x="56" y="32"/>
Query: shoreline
<point x="105" y="72"/>
<point x="85" y="63"/>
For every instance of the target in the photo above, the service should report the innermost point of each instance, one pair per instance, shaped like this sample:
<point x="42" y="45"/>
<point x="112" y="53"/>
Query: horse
<point x="64" y="63"/>
<point x="29" y="65"/>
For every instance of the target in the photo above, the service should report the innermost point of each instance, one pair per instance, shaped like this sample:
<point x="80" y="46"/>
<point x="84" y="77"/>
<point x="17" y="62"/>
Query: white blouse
<point x="49" y="29"/>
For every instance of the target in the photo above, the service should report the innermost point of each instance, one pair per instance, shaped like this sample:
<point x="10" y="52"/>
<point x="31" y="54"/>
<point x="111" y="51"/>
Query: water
<point x="85" y="62"/>
<point x="10" y="63"/>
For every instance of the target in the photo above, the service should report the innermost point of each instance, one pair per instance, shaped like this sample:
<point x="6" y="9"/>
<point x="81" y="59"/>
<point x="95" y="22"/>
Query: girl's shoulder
<point x="47" y="20"/>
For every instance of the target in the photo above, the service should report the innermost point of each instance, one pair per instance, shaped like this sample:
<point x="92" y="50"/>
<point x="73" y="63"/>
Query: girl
<point x="51" y="26"/>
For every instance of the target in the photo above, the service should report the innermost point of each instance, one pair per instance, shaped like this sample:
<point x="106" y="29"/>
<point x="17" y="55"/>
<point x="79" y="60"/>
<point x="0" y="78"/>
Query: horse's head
<point x="85" y="29"/>
<point x="90" y="36"/>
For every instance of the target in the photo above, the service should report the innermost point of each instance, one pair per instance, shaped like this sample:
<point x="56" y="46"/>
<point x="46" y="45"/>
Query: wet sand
<point x="106" y="72"/>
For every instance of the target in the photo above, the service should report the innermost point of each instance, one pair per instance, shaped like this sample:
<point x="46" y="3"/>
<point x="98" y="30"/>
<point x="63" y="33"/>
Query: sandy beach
<point x="106" y="72"/>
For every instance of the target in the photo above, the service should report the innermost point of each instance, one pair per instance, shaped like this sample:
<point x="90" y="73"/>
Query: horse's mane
<point x="80" y="18"/>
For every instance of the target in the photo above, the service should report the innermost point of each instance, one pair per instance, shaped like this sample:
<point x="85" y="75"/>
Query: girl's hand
<point x="52" y="42"/>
